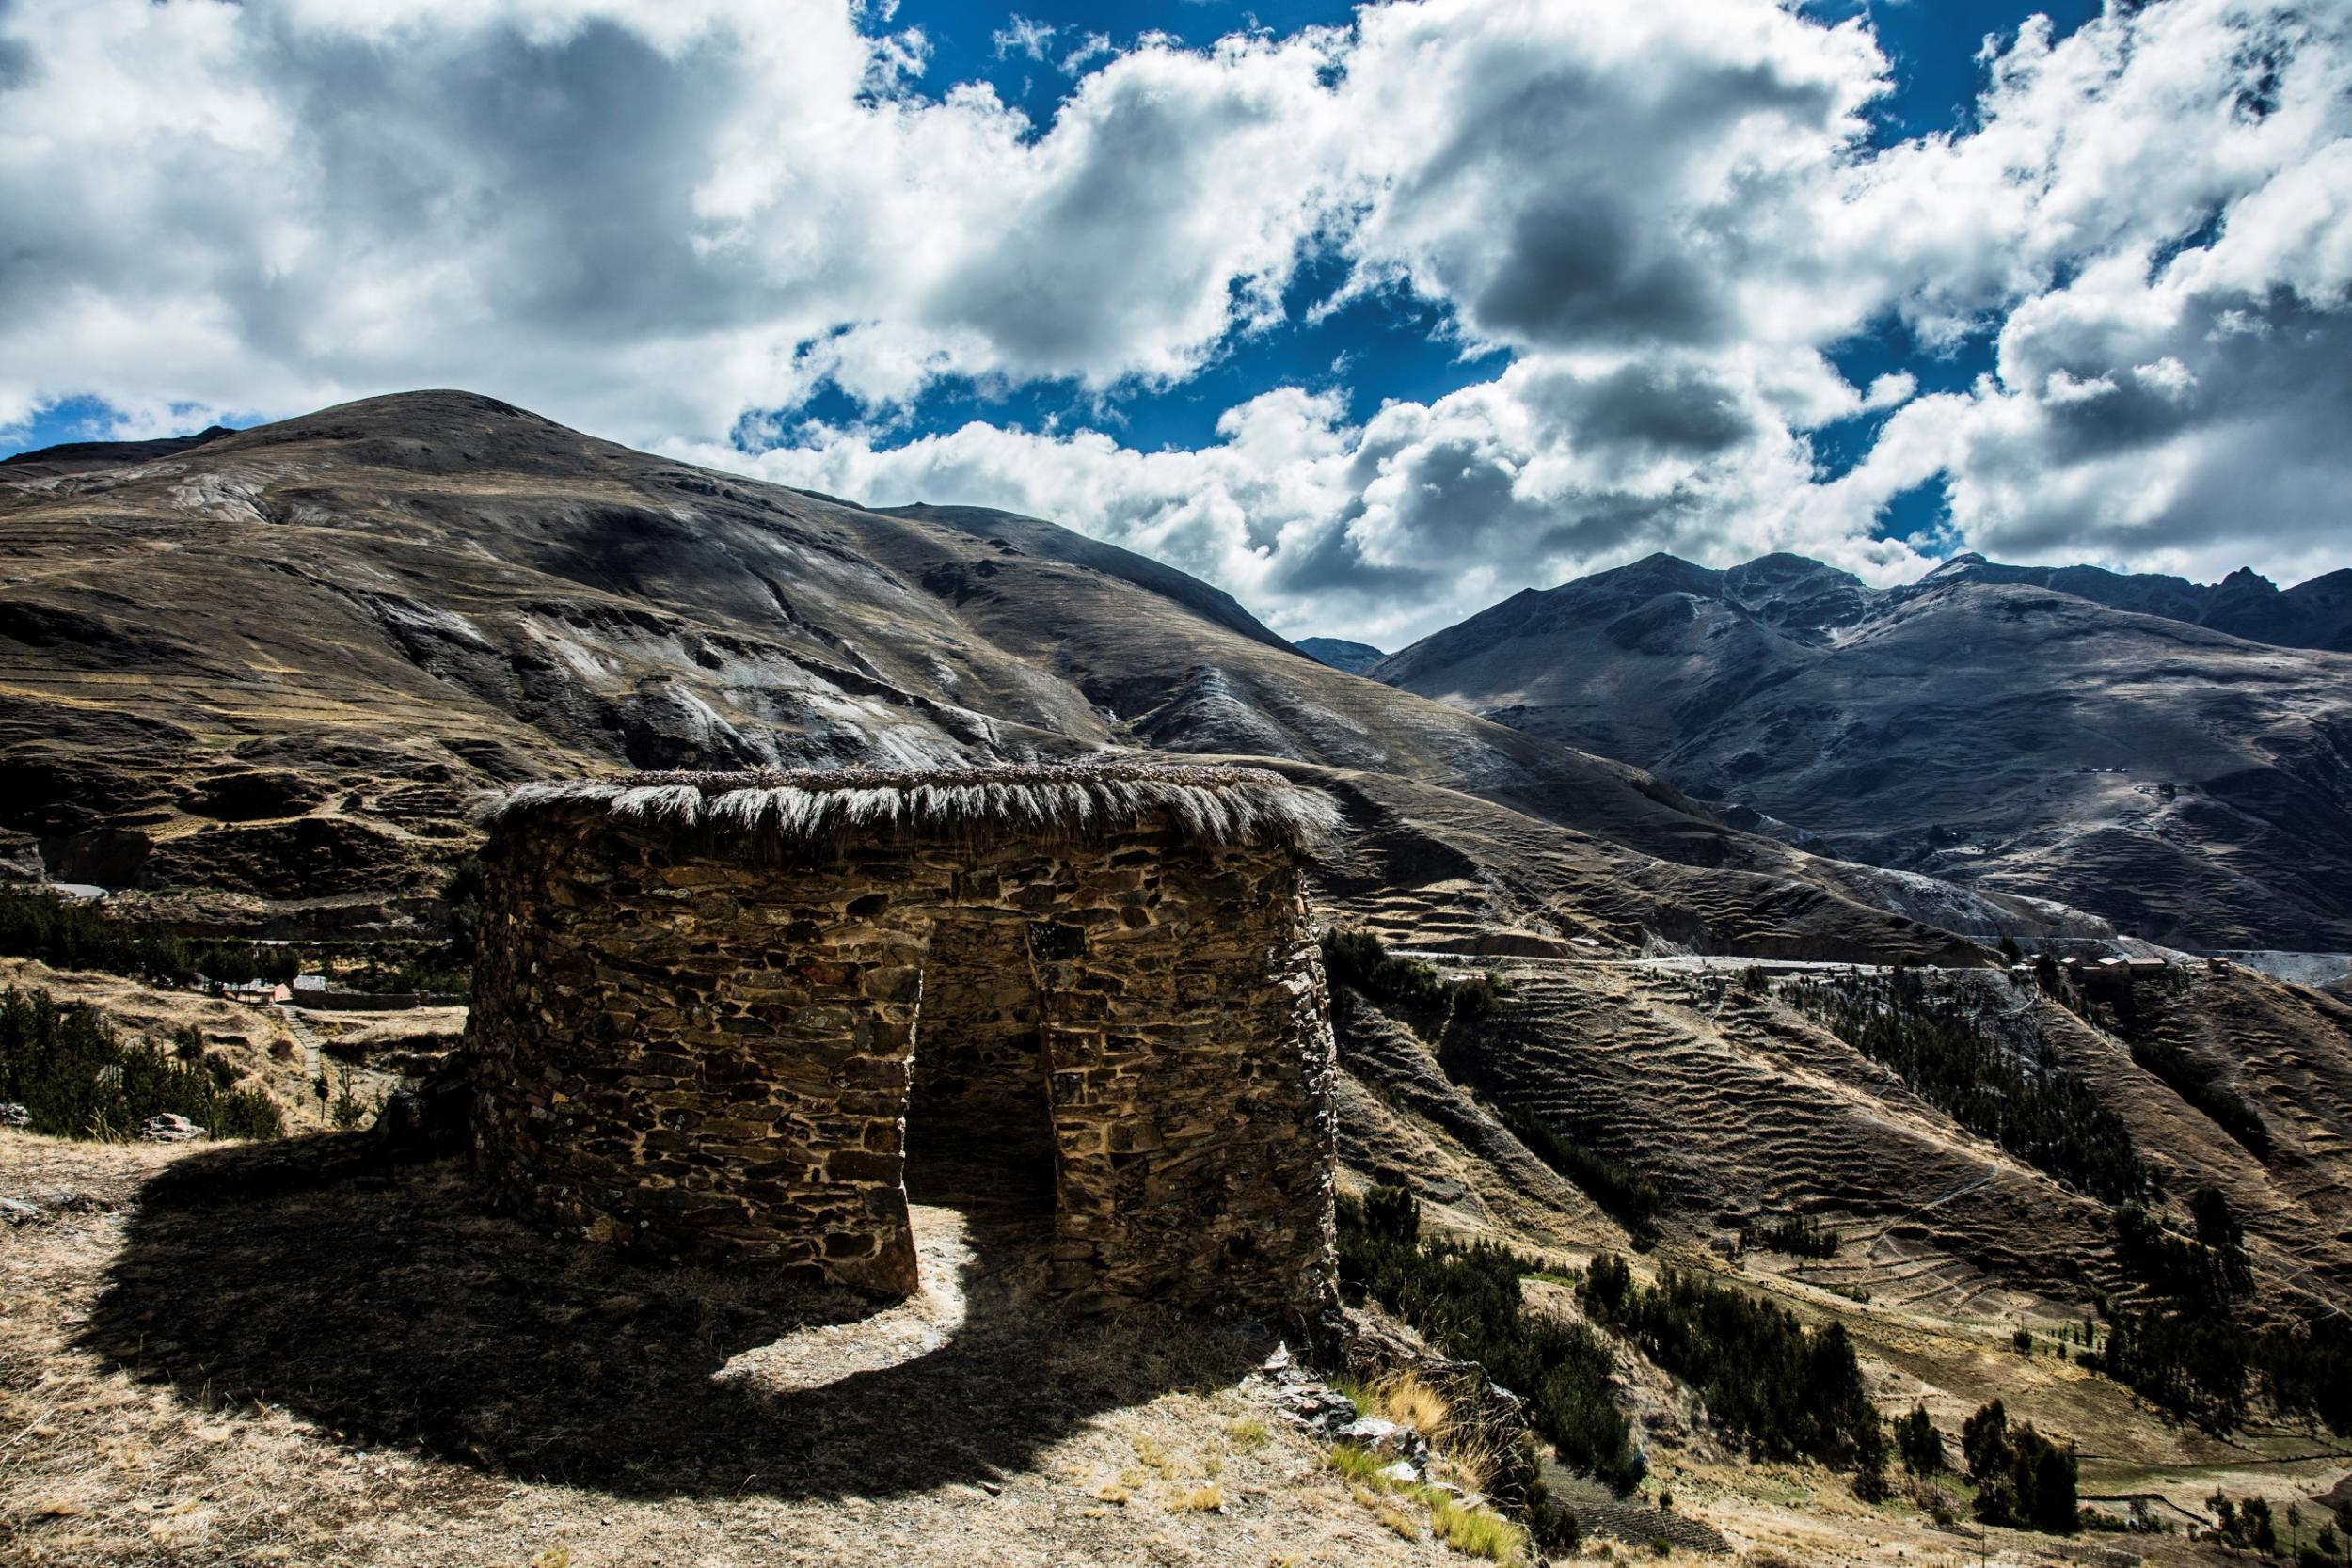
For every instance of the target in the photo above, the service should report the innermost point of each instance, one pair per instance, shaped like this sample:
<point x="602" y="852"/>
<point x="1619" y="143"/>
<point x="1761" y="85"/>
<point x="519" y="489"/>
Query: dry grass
<point x="230" y="1365"/>
<point x="1214" y="805"/>
<point x="1403" y="1397"/>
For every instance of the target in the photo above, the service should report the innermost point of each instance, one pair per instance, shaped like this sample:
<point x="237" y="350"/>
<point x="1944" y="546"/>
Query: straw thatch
<point x="1048" y="800"/>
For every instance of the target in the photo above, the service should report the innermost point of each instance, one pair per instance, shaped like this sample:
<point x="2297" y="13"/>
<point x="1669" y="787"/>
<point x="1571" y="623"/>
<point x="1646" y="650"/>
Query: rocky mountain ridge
<point x="2193" y="786"/>
<point x="254" y="681"/>
<point x="1340" y="654"/>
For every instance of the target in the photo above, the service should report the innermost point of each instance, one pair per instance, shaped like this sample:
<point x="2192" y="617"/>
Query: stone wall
<point x="700" y="1057"/>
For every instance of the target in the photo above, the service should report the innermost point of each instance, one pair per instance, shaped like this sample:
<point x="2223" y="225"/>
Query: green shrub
<point x="78" y="1080"/>
<point x="2023" y="1478"/>
<point x="1362" y="961"/>
<point x="2182" y="1346"/>
<point x="1629" y="1197"/>
<point x="1798" y="1235"/>
<point x="1920" y="1444"/>
<point x="2199" y="1085"/>
<point x="1467" y="1300"/>
<point x="66" y="934"/>
<point x="2203" y="1272"/>
<point x="1768" y="1382"/>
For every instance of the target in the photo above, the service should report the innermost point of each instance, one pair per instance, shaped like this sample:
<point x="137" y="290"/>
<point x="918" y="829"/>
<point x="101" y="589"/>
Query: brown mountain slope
<point x="278" y="662"/>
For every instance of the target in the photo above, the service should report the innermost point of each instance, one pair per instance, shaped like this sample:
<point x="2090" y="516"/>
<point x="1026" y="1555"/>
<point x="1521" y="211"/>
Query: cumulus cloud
<point x="649" y="216"/>
<point x="1394" y="525"/>
<point x="2160" y="208"/>
<point x="670" y="220"/>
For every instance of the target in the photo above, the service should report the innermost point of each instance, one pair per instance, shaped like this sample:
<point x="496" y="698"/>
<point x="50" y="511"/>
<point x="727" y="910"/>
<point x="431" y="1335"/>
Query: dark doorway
<point x="979" y="1131"/>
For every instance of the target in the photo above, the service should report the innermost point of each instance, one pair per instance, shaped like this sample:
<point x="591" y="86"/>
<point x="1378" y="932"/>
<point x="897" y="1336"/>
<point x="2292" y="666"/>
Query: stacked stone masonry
<point x="701" y="1046"/>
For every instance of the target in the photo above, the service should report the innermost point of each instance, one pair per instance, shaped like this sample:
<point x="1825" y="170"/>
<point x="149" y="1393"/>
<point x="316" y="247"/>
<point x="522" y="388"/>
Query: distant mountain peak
<point x="1340" y="654"/>
<point x="1956" y="566"/>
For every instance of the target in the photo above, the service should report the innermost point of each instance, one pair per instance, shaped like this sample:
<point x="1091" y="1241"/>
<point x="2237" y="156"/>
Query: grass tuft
<point x="1248" y="1433"/>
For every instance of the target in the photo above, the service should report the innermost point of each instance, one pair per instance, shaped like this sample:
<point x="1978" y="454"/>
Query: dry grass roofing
<point x="1210" y="804"/>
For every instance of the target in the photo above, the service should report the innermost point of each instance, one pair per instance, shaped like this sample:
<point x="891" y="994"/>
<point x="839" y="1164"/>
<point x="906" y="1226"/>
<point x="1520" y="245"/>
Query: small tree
<point x="1991" y="1462"/>
<point x="1920" y="1444"/>
<point x="2255" y="1519"/>
<point x="1869" y="1454"/>
<point x="347" y="1112"/>
<point x="2051" y="1503"/>
<point x="1393" y="1214"/>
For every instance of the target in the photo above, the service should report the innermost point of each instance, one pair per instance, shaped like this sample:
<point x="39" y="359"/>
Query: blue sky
<point x="1370" y="316"/>
<point x="1385" y="346"/>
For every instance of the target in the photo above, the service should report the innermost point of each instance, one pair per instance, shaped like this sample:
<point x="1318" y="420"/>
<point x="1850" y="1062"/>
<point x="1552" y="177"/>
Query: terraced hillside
<point x="253" y="679"/>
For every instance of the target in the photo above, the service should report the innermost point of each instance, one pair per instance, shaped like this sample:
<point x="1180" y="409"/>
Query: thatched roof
<point x="1211" y="804"/>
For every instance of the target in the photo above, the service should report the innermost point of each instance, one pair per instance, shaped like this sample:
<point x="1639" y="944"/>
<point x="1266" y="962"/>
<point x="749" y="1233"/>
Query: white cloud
<point x="1891" y="390"/>
<point x="1094" y="46"/>
<point x="1419" y="514"/>
<point x="1023" y="35"/>
<point x="646" y="216"/>
<point x="2160" y="208"/>
<point x="656" y="217"/>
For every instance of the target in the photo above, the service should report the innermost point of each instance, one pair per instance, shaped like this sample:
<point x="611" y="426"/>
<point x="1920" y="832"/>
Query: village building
<point x="745" y="1018"/>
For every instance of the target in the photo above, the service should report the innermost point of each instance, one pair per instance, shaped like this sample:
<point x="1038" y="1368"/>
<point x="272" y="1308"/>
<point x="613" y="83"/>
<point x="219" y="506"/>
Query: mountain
<point x="2192" y="787"/>
<point x="264" y="675"/>
<point x="73" y="457"/>
<point x="2314" y="614"/>
<point x="1340" y="654"/>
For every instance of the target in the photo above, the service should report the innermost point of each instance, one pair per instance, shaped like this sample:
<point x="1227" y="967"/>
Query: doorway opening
<point x="980" y="1133"/>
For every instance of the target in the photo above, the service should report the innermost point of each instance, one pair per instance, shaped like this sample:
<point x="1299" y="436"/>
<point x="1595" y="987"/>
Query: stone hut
<point x="736" y="1017"/>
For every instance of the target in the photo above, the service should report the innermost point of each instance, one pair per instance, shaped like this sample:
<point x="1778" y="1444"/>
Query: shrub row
<point x="1768" y="1382"/>
<point x="79" y="1080"/>
<point x="68" y="935"/>
<point x="1624" y="1194"/>
<point x="65" y="934"/>
<point x="2023" y="1477"/>
<point x="2201" y="1086"/>
<point x="2040" y="1112"/>
<point x="1466" y="1299"/>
